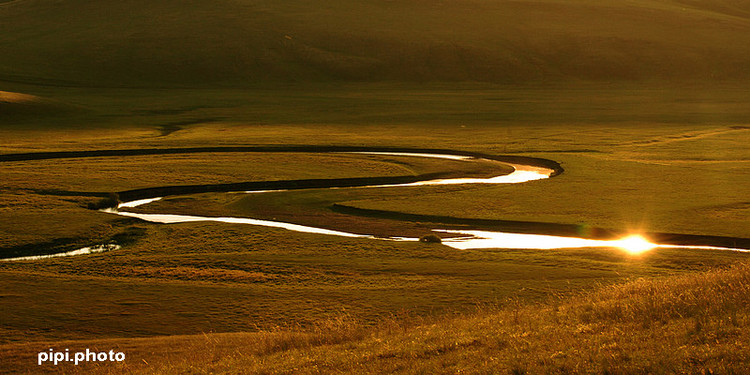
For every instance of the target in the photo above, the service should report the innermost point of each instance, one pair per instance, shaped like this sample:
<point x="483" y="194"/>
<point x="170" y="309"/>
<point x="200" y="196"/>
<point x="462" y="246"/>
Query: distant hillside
<point x="239" y="42"/>
<point x="15" y="105"/>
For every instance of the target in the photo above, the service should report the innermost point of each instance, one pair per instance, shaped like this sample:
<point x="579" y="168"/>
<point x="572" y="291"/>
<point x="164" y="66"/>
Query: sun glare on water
<point x="635" y="244"/>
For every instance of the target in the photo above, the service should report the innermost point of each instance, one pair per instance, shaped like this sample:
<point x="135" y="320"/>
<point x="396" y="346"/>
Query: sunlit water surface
<point x="463" y="239"/>
<point x="81" y="251"/>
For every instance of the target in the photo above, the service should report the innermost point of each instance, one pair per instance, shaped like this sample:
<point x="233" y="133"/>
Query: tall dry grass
<point x="693" y="323"/>
<point x="650" y="301"/>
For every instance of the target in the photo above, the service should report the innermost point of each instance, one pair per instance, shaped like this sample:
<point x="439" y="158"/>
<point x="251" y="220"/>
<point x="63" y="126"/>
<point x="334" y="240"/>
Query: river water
<point x="463" y="239"/>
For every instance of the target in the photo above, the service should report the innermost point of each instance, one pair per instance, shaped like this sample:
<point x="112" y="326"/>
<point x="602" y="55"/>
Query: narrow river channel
<point x="463" y="239"/>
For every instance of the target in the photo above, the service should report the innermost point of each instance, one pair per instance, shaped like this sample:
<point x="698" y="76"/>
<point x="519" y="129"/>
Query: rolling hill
<point x="15" y="105"/>
<point x="191" y="43"/>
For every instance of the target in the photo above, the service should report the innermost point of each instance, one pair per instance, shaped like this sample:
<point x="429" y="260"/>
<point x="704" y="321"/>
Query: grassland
<point x="660" y="171"/>
<point x="644" y="103"/>
<point x="188" y="279"/>
<point x="173" y="43"/>
<point x="699" y="321"/>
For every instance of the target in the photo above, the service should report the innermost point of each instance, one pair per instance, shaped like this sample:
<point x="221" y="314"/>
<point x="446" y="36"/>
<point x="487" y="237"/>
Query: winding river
<point x="463" y="239"/>
<point x="524" y="170"/>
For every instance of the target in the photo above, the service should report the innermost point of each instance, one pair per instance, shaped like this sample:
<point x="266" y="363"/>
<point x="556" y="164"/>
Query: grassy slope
<point x="179" y="43"/>
<point x="16" y="106"/>
<point x="699" y="321"/>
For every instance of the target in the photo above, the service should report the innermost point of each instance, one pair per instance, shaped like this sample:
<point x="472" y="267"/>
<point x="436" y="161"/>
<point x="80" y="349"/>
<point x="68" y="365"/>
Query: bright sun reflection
<point x="635" y="244"/>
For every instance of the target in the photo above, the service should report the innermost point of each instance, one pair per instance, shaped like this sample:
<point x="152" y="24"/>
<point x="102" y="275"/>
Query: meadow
<point x="211" y="278"/>
<point x="643" y="103"/>
<point x="698" y="320"/>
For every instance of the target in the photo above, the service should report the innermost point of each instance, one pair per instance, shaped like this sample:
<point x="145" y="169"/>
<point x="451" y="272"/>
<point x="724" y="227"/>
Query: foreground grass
<point x="202" y="277"/>
<point x="693" y="323"/>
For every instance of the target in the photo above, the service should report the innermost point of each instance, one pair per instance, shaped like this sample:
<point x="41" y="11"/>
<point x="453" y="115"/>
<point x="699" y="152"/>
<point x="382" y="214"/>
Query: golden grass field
<point x="213" y="279"/>
<point x="699" y="321"/>
<point x="644" y="104"/>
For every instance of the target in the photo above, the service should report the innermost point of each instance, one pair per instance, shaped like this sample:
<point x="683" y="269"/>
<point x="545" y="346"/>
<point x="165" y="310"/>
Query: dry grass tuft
<point x="660" y="300"/>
